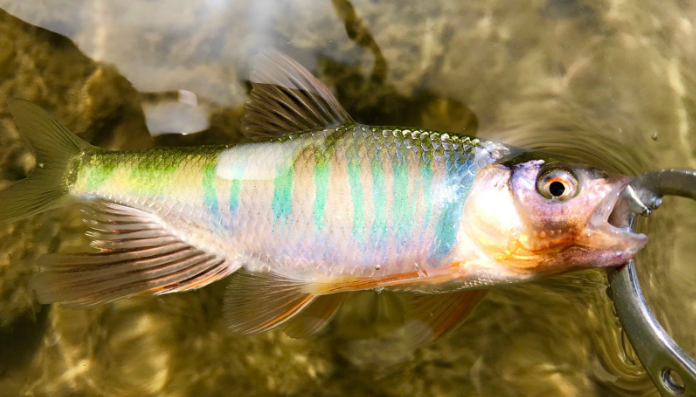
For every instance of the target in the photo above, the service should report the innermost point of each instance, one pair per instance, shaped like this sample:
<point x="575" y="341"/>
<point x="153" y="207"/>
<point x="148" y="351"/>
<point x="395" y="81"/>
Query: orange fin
<point x="403" y="282"/>
<point x="138" y="255"/>
<point x="287" y="98"/>
<point x="257" y="302"/>
<point x="430" y="316"/>
<point x="314" y="317"/>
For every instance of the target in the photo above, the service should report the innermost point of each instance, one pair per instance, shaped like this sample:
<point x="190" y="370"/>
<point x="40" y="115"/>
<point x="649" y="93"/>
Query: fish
<point x="313" y="207"/>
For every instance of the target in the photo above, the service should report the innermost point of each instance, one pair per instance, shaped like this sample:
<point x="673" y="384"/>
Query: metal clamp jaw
<point x="671" y="369"/>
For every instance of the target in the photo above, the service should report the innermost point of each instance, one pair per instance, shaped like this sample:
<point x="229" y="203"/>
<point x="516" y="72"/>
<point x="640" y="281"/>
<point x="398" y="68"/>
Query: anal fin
<point x="430" y="316"/>
<point x="314" y="317"/>
<point x="257" y="302"/>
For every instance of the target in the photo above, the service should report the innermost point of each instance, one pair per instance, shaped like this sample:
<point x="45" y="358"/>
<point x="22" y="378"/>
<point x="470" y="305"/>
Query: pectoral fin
<point x="138" y="255"/>
<point x="430" y="316"/>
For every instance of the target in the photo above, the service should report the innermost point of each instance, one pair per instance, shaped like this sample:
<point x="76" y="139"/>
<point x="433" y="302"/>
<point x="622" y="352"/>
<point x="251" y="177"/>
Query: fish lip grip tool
<point x="672" y="370"/>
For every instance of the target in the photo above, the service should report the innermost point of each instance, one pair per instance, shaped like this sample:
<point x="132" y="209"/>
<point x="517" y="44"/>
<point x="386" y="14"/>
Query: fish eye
<point x="557" y="184"/>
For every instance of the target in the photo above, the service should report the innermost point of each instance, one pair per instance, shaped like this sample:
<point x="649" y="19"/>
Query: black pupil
<point x="557" y="188"/>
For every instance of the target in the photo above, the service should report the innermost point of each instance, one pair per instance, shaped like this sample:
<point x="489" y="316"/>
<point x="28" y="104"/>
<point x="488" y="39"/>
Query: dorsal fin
<point x="287" y="98"/>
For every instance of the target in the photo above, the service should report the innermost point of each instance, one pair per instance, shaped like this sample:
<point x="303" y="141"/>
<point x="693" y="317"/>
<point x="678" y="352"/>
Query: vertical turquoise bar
<point x="356" y="195"/>
<point x="321" y="190"/>
<point x="449" y="216"/>
<point x="403" y="210"/>
<point x="379" y="200"/>
<point x="426" y="177"/>
<point x="235" y="189"/>
<point x="210" y="199"/>
<point x="281" y="204"/>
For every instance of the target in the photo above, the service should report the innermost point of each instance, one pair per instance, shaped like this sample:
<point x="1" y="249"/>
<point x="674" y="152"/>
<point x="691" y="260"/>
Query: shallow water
<point x="592" y="79"/>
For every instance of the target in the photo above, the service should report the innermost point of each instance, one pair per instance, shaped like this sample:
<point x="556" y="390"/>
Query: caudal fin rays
<point x="55" y="147"/>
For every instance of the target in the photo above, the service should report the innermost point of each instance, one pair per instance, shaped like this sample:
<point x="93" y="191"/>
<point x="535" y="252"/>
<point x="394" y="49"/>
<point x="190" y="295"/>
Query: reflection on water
<point x="595" y="80"/>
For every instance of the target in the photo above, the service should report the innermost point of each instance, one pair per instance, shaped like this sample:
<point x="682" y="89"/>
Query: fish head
<point x="542" y="217"/>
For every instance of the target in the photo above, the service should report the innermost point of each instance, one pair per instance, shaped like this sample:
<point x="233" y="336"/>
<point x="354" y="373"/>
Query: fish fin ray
<point x="399" y="282"/>
<point x="257" y="302"/>
<point x="314" y="317"/>
<point x="138" y="255"/>
<point x="428" y="317"/>
<point x="55" y="147"/>
<point x="286" y="98"/>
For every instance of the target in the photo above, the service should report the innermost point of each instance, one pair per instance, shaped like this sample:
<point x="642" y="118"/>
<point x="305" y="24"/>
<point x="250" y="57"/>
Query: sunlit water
<point x="611" y="83"/>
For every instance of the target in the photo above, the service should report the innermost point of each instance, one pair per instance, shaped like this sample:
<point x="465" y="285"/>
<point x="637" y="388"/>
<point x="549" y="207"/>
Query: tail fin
<point x="55" y="146"/>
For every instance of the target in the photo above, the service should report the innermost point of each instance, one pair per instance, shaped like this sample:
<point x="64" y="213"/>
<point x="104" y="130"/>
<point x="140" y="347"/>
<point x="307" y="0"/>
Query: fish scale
<point x="284" y="205"/>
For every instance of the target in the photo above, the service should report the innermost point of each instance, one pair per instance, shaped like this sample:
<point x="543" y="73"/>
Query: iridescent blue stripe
<point x="235" y="189"/>
<point x="281" y="204"/>
<point x="210" y="199"/>
<point x="356" y="195"/>
<point x="379" y="200"/>
<point x="321" y="191"/>
<point x="403" y="207"/>
<point x="457" y="182"/>
<point x="426" y="178"/>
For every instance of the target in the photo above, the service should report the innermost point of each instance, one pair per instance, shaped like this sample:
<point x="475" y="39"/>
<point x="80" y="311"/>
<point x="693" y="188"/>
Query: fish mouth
<point x="607" y="228"/>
